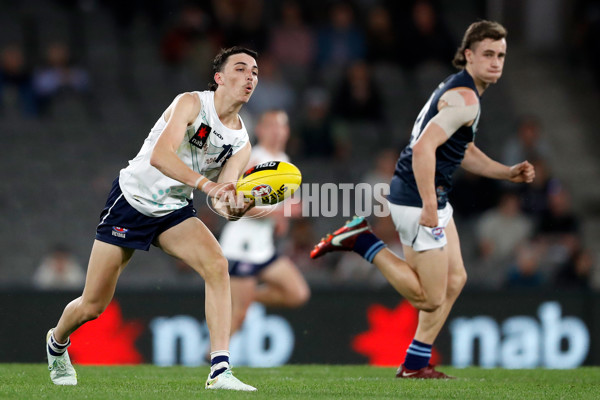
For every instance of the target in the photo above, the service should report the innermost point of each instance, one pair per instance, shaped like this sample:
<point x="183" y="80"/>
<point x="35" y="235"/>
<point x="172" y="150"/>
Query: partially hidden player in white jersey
<point x="258" y="273"/>
<point x="198" y="143"/>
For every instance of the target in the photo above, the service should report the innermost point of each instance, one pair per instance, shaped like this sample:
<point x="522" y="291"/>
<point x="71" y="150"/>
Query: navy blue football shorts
<point x="242" y="269"/>
<point x="123" y="225"/>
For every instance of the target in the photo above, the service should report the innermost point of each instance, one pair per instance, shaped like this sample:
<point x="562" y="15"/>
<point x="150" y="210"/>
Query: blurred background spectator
<point x="585" y="34"/>
<point x="58" y="77"/>
<point x="357" y="99"/>
<point x="340" y="41"/>
<point x="528" y="144"/>
<point x="559" y="229"/>
<point x="525" y="273"/>
<point x="534" y="197"/>
<point x="576" y="272"/>
<point x="16" y="83"/>
<point x="381" y="37"/>
<point x="425" y="38"/>
<point x="499" y="232"/>
<point x="293" y="45"/>
<point x="315" y="126"/>
<point x="189" y="40"/>
<point x="59" y="270"/>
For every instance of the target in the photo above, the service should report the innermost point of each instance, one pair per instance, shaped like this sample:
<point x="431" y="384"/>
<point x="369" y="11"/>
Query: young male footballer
<point x="198" y="143"/>
<point x="442" y="139"/>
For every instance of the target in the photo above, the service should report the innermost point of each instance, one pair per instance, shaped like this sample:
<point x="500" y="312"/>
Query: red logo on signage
<point x="107" y="340"/>
<point x="389" y="335"/>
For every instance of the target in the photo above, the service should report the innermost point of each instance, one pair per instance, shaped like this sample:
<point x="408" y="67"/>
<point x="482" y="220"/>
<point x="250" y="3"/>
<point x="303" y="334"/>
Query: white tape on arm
<point x="200" y="180"/>
<point x="204" y="184"/>
<point x="455" y="113"/>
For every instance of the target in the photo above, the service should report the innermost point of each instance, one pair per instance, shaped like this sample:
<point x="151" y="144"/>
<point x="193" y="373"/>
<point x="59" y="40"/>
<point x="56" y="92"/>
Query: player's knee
<point x="433" y="304"/>
<point x="456" y="282"/>
<point x="300" y="296"/>
<point x="430" y="303"/>
<point x="214" y="266"/>
<point x="218" y="266"/>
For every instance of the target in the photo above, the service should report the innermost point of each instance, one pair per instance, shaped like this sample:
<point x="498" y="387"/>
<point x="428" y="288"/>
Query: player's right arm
<point x="457" y="107"/>
<point x="179" y="115"/>
<point x="231" y="208"/>
<point x="423" y="164"/>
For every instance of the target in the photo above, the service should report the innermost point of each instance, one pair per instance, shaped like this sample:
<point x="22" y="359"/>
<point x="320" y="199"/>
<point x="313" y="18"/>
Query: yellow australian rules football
<point x="270" y="182"/>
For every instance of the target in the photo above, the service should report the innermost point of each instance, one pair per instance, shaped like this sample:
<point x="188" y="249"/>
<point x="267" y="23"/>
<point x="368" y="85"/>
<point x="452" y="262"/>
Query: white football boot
<point x="61" y="369"/>
<point x="227" y="381"/>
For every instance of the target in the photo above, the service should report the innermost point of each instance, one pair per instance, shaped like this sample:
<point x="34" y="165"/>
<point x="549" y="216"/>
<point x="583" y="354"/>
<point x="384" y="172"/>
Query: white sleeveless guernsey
<point x="205" y="148"/>
<point x="251" y="240"/>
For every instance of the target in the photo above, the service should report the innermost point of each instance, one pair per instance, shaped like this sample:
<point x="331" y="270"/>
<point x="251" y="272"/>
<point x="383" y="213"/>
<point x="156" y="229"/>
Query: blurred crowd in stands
<point x="331" y="66"/>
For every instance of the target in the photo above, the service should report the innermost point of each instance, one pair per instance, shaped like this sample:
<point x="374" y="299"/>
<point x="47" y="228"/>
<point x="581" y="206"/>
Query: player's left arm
<point x="477" y="162"/>
<point x="233" y="168"/>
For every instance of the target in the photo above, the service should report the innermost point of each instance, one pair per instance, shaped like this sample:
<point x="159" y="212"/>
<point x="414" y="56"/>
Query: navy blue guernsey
<point x="403" y="188"/>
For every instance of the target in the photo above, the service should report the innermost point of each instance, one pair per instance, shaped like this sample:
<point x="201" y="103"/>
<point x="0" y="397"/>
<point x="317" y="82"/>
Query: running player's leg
<point x="453" y="276"/>
<point x="421" y="279"/>
<point x="356" y="235"/>
<point x="430" y="323"/>
<point x="282" y="285"/>
<point x="243" y="292"/>
<point x="193" y="243"/>
<point x="402" y="277"/>
<point x="105" y="265"/>
<point x="431" y="266"/>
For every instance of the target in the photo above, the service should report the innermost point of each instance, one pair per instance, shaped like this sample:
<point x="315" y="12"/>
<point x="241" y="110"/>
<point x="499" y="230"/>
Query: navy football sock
<point x="417" y="355"/>
<point x="219" y="362"/>
<point x="57" y="349"/>
<point x="368" y="245"/>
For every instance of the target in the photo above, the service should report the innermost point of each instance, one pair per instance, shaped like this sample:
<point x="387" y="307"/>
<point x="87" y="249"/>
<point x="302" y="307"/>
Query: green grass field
<point x="146" y="382"/>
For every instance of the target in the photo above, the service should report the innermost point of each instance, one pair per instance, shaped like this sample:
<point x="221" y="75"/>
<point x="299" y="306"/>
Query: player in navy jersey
<point x="442" y="139"/>
<point x="199" y="142"/>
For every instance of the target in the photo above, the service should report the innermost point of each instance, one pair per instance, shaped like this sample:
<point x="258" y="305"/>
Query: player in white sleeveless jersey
<point x="258" y="273"/>
<point x="199" y="142"/>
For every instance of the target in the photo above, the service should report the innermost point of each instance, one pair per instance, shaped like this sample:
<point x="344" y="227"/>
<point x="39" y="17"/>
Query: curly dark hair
<point x="221" y="59"/>
<point x="477" y="32"/>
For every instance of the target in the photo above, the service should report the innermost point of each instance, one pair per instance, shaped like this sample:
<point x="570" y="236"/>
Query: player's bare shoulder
<point x="187" y="104"/>
<point x="458" y="97"/>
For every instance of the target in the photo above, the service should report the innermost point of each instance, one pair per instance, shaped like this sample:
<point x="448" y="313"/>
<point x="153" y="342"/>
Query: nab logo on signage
<point x="521" y="341"/>
<point x="248" y="346"/>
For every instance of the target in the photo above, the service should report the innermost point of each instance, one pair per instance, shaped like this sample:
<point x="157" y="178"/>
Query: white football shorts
<point x="419" y="237"/>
